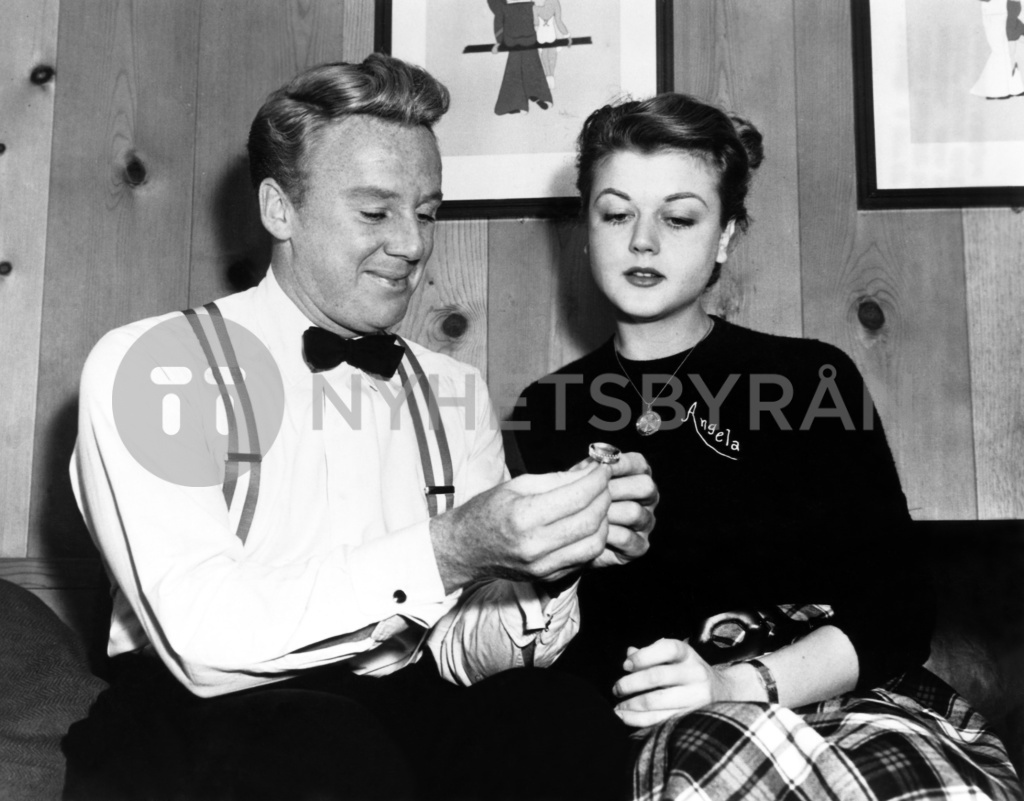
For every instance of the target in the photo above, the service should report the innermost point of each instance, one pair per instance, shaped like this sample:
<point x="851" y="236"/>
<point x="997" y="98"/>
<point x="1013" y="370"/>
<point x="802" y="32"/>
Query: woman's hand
<point x="666" y="679"/>
<point x="631" y="515"/>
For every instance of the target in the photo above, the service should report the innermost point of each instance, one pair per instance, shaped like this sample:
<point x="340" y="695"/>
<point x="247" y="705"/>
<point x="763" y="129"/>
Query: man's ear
<point x="276" y="211"/>
<point x="724" y="241"/>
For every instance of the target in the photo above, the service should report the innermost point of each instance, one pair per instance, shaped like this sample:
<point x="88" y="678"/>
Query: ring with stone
<point x="604" y="453"/>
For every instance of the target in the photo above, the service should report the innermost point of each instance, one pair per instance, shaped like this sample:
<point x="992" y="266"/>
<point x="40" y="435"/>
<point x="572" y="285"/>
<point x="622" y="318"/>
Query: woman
<point x="1003" y="26"/>
<point x="779" y="500"/>
<point x="547" y="17"/>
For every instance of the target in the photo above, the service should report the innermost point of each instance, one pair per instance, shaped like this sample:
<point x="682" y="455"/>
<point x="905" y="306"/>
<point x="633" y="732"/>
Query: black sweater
<point x="802" y="504"/>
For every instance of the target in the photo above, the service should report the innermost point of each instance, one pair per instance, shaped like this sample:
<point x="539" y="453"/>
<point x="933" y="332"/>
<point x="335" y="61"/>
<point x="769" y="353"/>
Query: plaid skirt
<point x="913" y="738"/>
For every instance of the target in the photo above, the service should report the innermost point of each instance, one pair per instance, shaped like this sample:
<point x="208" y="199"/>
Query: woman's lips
<point x="643" y="277"/>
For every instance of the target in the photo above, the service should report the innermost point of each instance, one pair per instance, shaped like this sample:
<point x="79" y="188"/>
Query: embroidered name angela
<point x="714" y="430"/>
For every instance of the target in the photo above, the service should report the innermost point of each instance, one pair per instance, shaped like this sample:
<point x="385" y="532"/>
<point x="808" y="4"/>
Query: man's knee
<point x="304" y="744"/>
<point x="271" y="744"/>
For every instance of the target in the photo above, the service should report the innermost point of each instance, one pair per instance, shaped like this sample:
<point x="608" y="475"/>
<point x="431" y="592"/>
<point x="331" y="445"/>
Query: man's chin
<point x="383" y="323"/>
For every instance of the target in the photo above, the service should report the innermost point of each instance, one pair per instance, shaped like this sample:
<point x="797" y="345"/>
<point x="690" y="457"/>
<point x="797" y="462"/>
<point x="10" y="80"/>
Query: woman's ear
<point x="725" y="241"/>
<point x="276" y="211"/>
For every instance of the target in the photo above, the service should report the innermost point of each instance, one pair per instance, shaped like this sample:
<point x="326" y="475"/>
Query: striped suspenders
<point x="433" y="491"/>
<point x="244" y="444"/>
<point x="237" y="453"/>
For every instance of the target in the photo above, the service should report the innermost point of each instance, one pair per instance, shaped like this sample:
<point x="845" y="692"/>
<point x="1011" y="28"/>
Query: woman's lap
<point x="882" y="744"/>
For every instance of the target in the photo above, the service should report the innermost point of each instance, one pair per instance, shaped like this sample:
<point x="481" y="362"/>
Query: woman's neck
<point x="643" y="341"/>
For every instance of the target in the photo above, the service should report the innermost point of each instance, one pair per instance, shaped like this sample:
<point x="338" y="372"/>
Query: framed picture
<point x="939" y="103"/>
<point x="523" y="76"/>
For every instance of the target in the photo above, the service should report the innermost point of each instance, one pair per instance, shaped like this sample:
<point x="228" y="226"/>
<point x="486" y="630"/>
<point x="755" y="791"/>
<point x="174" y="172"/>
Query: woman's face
<point x="655" y="232"/>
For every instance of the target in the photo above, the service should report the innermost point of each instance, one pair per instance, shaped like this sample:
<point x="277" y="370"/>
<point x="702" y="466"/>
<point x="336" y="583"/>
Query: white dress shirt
<point x="338" y="562"/>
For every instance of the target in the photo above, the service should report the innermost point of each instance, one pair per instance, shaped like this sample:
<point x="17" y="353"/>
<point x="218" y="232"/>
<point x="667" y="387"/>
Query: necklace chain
<point x="648" y="413"/>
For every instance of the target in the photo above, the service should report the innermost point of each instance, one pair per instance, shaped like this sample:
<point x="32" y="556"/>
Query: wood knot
<point x="42" y="74"/>
<point x="6" y="267"/>
<point x="454" y="325"/>
<point x="135" y="171"/>
<point x="3" y="148"/>
<point x="870" y="314"/>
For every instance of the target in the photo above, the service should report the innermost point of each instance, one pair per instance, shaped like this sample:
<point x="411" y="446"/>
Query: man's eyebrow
<point x="374" y="191"/>
<point x="379" y="193"/>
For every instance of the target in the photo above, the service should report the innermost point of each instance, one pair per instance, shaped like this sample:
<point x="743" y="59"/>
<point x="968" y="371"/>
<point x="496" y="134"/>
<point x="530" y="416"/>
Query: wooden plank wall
<point x="124" y="194"/>
<point x="911" y="264"/>
<point x="26" y="130"/>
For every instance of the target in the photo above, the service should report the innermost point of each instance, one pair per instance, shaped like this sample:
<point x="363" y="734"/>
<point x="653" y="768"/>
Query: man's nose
<point x="407" y="239"/>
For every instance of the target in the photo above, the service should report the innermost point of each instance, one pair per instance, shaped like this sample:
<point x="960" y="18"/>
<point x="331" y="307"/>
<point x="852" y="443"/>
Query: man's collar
<point x="284" y="323"/>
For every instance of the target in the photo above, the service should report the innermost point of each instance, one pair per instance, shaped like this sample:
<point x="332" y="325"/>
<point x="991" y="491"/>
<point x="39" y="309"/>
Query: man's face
<point x="363" y="234"/>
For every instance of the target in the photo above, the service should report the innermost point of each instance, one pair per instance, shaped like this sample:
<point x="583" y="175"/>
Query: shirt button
<point x="399" y="597"/>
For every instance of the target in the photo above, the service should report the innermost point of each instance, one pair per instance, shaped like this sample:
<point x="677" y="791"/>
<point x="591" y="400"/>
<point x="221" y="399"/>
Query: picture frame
<point x="508" y="143"/>
<point x="938" y="123"/>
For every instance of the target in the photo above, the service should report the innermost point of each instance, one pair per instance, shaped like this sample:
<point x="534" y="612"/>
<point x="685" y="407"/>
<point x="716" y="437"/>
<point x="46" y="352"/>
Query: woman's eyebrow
<point x="668" y="199"/>
<point x="612" y="191"/>
<point x="687" y="196"/>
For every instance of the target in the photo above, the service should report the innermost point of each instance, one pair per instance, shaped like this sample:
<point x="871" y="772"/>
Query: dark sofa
<point x="45" y="686"/>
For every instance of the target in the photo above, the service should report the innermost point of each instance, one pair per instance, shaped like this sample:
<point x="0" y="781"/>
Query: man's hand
<point x="631" y="515"/>
<point x="532" y="528"/>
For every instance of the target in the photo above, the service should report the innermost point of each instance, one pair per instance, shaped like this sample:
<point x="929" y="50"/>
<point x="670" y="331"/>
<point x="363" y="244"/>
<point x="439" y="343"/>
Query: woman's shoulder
<point x="761" y="351"/>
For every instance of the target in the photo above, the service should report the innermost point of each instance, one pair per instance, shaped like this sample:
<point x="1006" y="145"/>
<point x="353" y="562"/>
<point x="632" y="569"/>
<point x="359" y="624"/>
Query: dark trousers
<point x="522" y="735"/>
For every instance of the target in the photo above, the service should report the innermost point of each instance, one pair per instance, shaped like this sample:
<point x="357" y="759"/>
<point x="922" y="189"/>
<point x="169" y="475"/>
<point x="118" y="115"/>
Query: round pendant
<point x="648" y="423"/>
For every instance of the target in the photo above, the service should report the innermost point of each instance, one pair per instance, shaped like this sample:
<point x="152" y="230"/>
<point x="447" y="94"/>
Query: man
<point x="282" y="629"/>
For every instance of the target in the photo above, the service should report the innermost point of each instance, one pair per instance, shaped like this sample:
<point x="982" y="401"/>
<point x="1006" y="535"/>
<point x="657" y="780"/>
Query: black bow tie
<point x="378" y="354"/>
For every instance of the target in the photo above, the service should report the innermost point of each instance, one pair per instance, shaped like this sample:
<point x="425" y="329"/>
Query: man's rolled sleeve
<point x="543" y="620"/>
<point x="496" y="624"/>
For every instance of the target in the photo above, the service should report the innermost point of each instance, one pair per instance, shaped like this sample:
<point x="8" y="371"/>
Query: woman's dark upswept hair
<point x="291" y="118"/>
<point x="728" y="144"/>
